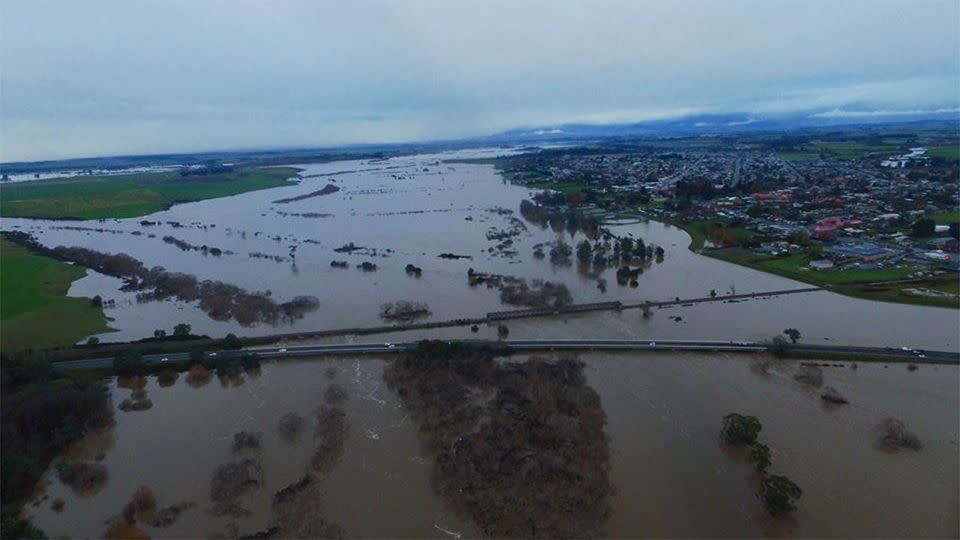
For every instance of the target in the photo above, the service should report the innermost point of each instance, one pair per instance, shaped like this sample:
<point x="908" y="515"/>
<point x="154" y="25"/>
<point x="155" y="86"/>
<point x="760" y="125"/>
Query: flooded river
<point x="647" y="462"/>
<point x="412" y="210"/>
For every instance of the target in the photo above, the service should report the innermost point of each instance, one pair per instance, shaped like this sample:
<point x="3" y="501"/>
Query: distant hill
<point x="722" y="124"/>
<point x="686" y="126"/>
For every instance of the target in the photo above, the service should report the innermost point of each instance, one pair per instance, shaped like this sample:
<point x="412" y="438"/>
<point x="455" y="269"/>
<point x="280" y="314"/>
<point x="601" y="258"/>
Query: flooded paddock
<point x="413" y="451"/>
<point x="430" y="213"/>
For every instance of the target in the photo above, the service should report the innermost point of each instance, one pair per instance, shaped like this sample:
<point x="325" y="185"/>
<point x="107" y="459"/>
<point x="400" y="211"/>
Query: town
<point x="850" y="209"/>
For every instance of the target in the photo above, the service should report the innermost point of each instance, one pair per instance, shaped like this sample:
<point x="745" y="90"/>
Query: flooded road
<point x="412" y="210"/>
<point x="657" y="468"/>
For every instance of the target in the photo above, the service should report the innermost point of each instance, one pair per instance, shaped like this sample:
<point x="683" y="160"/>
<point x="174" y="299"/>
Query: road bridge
<point x="585" y="345"/>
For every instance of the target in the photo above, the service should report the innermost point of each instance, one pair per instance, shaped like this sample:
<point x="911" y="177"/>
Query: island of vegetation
<point x="132" y="195"/>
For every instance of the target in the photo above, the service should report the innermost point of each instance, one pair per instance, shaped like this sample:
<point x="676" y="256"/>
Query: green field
<point x="715" y="231"/>
<point x="34" y="309"/>
<point x="949" y="153"/>
<point x="868" y="284"/>
<point x="946" y="218"/>
<point x="797" y="267"/>
<point x="567" y="188"/>
<point x="854" y="149"/>
<point x="124" y="196"/>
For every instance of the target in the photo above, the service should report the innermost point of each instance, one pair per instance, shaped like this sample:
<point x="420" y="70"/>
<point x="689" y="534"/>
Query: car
<point x="164" y="359"/>
<point x="213" y="354"/>
<point x="905" y="349"/>
<point x="389" y="345"/>
<point x="653" y="343"/>
<point x="283" y="350"/>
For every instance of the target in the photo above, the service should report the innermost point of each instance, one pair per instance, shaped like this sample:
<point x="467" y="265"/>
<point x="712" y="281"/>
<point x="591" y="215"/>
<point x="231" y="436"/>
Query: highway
<point x="585" y="345"/>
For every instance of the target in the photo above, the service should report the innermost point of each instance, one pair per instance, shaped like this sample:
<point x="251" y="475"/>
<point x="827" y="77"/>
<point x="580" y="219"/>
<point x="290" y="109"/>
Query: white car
<point x="213" y="354"/>
<point x="283" y="350"/>
<point x="164" y="359"/>
<point x="389" y="345"/>
<point x="653" y="343"/>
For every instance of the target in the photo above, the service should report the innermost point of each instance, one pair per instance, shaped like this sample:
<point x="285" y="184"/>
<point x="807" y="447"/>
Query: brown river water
<point x="648" y="458"/>
<point x="419" y="207"/>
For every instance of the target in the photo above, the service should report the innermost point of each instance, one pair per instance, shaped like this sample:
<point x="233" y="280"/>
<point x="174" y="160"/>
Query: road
<point x="585" y="345"/>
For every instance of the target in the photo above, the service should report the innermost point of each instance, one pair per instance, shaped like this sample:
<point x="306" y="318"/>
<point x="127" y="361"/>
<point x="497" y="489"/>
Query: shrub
<point x="231" y="480"/>
<point x="334" y="395"/>
<point x="811" y="375"/>
<point x="739" y="429"/>
<point x="20" y="370"/>
<point x="167" y="377"/>
<point x="124" y="531"/>
<point x="198" y="376"/>
<point x="793" y="334"/>
<point x="143" y="500"/>
<point x="38" y="422"/>
<point x="128" y="405"/>
<point x="404" y="310"/>
<point x="245" y="440"/>
<point x="830" y="394"/>
<point x="894" y="434"/>
<point x="129" y="363"/>
<point x="779" y="346"/>
<point x="83" y="478"/>
<point x="182" y="330"/>
<point x="779" y="494"/>
<point x="290" y="425"/>
<point x="760" y="456"/>
<point x="231" y="343"/>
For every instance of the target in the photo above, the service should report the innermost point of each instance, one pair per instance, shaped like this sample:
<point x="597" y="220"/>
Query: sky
<point x="109" y="77"/>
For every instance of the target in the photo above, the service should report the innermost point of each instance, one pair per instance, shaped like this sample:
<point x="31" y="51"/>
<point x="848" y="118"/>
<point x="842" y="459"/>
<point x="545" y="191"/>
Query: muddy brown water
<point x="669" y="474"/>
<point x="420" y="207"/>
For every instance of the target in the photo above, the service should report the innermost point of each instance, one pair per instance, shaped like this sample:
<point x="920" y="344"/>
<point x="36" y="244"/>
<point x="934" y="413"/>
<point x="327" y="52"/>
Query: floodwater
<point x="657" y="470"/>
<point x="410" y="210"/>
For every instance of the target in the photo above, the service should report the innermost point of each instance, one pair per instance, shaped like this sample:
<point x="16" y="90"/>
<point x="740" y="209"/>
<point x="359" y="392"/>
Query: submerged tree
<point x="793" y="334"/>
<point x="779" y="494"/>
<point x="760" y="456"/>
<point x="584" y="252"/>
<point x="739" y="429"/>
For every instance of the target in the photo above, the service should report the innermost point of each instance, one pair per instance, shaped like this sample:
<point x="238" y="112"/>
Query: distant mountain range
<point x="686" y="126"/>
<point x="720" y="124"/>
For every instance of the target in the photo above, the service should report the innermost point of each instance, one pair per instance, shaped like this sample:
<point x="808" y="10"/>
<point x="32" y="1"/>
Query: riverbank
<point x="883" y="285"/>
<point x="35" y="311"/>
<point x="130" y="195"/>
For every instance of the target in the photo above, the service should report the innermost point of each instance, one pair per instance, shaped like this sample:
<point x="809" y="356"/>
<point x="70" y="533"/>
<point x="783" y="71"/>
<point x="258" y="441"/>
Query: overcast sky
<point x="86" y="78"/>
